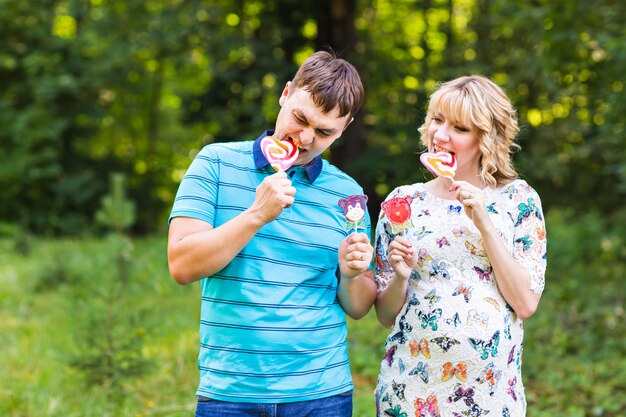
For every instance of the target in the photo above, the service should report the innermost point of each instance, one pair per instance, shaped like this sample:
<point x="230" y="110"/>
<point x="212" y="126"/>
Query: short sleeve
<point x="197" y="193"/>
<point x="529" y="236"/>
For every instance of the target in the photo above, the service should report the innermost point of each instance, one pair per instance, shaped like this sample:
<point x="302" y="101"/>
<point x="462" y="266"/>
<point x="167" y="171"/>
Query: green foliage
<point x="94" y="334"/>
<point x="573" y="351"/>
<point x="366" y="341"/>
<point x="110" y="328"/>
<point x="559" y="61"/>
<point x="574" y="344"/>
<point x="89" y="88"/>
<point x="116" y="211"/>
<point x="48" y="101"/>
<point x="134" y="86"/>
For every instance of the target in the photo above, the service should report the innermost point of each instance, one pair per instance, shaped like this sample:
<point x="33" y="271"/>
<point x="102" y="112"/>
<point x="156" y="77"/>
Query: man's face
<point x="306" y="125"/>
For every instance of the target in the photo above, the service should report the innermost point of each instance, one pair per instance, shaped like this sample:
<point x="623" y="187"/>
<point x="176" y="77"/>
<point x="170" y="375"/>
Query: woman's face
<point x="446" y="135"/>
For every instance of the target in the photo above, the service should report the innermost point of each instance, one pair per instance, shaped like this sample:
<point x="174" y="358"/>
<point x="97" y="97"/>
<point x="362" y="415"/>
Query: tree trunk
<point x="336" y="30"/>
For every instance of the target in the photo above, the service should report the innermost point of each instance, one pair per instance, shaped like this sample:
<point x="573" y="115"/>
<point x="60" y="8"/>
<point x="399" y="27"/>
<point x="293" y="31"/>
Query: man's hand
<point x="273" y="195"/>
<point x="355" y="255"/>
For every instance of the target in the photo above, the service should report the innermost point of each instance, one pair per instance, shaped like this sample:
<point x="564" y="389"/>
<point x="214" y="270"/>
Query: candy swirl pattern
<point x="442" y="164"/>
<point x="280" y="154"/>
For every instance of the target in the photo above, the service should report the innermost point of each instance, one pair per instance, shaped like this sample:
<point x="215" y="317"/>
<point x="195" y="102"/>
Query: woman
<point x="457" y="278"/>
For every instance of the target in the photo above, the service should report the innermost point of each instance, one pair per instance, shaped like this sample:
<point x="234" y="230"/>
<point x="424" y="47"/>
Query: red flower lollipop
<point x="398" y="211"/>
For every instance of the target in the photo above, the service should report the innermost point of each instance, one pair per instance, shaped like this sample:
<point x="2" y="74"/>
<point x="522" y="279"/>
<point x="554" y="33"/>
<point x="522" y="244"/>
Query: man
<point x="276" y="258"/>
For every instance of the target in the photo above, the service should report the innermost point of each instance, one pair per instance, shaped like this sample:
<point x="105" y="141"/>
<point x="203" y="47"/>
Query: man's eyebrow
<point x="302" y="116"/>
<point x="328" y="132"/>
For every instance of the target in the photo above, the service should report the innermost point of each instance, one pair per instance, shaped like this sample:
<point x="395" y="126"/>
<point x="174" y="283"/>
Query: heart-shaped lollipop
<point x="442" y="164"/>
<point x="281" y="154"/>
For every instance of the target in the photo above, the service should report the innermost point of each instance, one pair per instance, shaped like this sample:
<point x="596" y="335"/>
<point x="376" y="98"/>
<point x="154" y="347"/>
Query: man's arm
<point x="357" y="289"/>
<point x="196" y="250"/>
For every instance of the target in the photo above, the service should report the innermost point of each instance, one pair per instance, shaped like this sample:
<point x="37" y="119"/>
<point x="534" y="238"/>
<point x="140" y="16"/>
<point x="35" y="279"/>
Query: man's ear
<point x="348" y="124"/>
<point x="284" y="94"/>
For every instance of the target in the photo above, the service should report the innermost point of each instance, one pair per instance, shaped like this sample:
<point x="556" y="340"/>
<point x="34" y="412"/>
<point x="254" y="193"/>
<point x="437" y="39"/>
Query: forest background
<point x="104" y="103"/>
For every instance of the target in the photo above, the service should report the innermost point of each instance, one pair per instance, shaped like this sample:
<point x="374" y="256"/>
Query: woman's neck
<point x="440" y="186"/>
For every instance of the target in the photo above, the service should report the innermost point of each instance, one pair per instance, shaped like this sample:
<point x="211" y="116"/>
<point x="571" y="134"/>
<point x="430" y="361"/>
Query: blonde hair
<point x="477" y="102"/>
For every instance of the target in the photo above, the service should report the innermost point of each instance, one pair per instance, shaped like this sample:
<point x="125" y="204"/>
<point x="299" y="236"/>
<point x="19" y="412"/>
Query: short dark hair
<point x="332" y="82"/>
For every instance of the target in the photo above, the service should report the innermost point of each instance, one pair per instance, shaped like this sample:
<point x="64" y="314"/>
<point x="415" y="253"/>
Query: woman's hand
<point x="473" y="200"/>
<point x="401" y="257"/>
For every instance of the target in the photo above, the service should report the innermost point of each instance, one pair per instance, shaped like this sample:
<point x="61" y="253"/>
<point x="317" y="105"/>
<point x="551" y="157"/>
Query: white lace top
<point x="456" y="346"/>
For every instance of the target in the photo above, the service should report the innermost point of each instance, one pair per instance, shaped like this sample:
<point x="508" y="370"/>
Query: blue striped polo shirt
<point x="271" y="327"/>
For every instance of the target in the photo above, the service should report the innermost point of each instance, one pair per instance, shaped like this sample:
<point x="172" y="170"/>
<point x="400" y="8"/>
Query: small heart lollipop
<point x="442" y="164"/>
<point x="353" y="209"/>
<point x="281" y="154"/>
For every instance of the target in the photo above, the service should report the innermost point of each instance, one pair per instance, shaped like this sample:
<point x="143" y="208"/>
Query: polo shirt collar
<point x="313" y="168"/>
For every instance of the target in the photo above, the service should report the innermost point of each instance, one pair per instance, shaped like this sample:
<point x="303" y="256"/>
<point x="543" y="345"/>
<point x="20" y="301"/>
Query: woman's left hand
<point x="473" y="200"/>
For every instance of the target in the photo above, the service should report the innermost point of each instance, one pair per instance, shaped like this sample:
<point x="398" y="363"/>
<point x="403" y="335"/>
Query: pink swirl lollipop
<point x="281" y="154"/>
<point x="442" y="164"/>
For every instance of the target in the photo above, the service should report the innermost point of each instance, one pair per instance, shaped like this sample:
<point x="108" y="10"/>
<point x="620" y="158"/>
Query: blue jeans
<point x="335" y="406"/>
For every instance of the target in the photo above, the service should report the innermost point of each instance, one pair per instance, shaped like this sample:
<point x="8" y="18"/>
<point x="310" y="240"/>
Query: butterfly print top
<point x="456" y="347"/>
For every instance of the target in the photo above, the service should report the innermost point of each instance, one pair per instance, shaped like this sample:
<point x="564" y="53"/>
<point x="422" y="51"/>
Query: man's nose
<point x="307" y="136"/>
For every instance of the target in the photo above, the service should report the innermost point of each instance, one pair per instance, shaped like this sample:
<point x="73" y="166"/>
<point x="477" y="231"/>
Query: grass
<point x="65" y="300"/>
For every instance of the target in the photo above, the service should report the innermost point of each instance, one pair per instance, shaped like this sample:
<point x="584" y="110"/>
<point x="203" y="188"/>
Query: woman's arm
<point x="390" y="300"/>
<point x="513" y="280"/>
